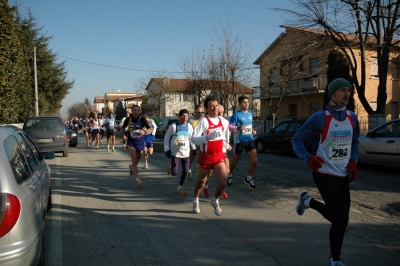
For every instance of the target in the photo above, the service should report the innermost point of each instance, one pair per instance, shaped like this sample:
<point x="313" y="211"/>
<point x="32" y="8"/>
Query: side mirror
<point x="272" y="130"/>
<point x="48" y="155"/>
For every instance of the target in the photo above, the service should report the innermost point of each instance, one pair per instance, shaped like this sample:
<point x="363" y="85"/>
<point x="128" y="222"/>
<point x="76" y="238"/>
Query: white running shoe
<point x="217" y="210"/>
<point x="196" y="208"/>
<point x="146" y="166"/>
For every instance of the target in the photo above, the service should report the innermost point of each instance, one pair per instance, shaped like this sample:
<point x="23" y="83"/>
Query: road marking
<point x="53" y="250"/>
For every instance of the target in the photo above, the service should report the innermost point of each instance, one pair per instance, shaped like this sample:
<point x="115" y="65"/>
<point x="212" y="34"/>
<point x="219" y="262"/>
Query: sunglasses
<point x="200" y="112"/>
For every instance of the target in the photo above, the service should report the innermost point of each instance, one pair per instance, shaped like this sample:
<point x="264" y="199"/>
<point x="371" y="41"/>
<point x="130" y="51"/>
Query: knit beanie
<point x="337" y="84"/>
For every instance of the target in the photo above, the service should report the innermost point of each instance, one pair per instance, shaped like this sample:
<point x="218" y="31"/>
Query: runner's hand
<point x="168" y="154"/>
<point x="212" y="135"/>
<point x="315" y="162"/>
<point x="352" y="169"/>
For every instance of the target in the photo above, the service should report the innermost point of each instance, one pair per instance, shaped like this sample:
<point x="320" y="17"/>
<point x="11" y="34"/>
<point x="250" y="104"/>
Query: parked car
<point x="381" y="145"/>
<point x="280" y="137"/>
<point x="72" y="137"/>
<point x="48" y="133"/>
<point x="164" y="125"/>
<point x="25" y="198"/>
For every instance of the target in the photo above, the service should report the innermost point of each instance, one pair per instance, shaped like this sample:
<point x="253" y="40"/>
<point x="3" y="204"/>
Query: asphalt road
<point x="100" y="217"/>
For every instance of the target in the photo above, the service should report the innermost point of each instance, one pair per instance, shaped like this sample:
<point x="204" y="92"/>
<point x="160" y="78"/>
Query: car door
<point x="382" y="145"/>
<point x="275" y="141"/>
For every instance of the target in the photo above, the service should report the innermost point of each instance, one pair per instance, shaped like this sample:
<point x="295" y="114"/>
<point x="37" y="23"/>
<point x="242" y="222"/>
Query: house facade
<point x="110" y="100"/>
<point x="303" y="53"/>
<point x="168" y="95"/>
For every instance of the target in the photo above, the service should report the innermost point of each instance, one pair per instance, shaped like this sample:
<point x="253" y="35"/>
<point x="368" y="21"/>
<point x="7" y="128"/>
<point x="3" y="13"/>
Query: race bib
<point x="111" y="123"/>
<point x="219" y="133"/>
<point x="182" y="142"/>
<point x="76" y="125"/>
<point x="247" y="130"/>
<point x="135" y="133"/>
<point x="339" y="151"/>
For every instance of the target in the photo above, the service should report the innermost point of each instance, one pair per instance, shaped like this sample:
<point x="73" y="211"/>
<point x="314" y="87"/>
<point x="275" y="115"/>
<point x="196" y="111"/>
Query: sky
<point x="111" y="46"/>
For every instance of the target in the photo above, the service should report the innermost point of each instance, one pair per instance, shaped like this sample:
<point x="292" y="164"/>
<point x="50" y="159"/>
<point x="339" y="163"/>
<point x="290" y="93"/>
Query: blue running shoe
<point x="300" y="207"/>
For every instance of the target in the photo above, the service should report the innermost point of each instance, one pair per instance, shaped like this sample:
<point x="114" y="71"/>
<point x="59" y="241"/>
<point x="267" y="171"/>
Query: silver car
<point x="381" y="145"/>
<point x="25" y="197"/>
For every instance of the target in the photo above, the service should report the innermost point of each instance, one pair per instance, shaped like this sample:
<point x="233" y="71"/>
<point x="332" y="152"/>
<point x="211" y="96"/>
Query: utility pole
<point x="36" y="88"/>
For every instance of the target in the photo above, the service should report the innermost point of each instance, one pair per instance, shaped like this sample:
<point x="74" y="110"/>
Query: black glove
<point x="168" y="154"/>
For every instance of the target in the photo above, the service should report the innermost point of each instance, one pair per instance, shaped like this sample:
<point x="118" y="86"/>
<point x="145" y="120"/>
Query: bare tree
<point x="375" y="25"/>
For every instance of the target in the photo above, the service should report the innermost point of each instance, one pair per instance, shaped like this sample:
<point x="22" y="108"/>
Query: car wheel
<point x="65" y="153"/>
<point x="259" y="147"/>
<point x="74" y="144"/>
<point x="49" y="201"/>
<point x="41" y="261"/>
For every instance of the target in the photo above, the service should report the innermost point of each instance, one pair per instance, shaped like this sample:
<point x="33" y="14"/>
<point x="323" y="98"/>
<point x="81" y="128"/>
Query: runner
<point x="206" y="194"/>
<point x="241" y="123"/>
<point x="86" y="129"/>
<point x="137" y="127"/>
<point x="148" y="138"/>
<point x="95" y="128"/>
<point x="177" y="147"/>
<point x="109" y="124"/>
<point x="75" y="125"/>
<point x="101" y="119"/>
<point x="333" y="162"/>
<point x="126" y="129"/>
<point x="198" y="114"/>
<point x="211" y="133"/>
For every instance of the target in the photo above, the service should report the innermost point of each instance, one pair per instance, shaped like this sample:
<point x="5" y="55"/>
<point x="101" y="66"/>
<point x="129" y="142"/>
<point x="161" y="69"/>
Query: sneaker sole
<point x="215" y="210"/>
<point x="298" y="200"/>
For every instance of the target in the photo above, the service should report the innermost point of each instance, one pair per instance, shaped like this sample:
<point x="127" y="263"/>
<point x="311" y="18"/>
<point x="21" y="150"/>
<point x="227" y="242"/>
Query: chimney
<point x="165" y="80"/>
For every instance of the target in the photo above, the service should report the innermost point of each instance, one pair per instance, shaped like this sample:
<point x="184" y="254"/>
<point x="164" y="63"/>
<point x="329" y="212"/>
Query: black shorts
<point x="247" y="146"/>
<point x="110" y="132"/>
<point x="95" y="131"/>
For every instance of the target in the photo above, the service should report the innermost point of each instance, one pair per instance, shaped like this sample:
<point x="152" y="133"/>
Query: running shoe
<point x="101" y="141"/>
<point x="250" y="183"/>
<point x="108" y="149"/>
<point x="124" y="147"/>
<point x="190" y="176"/>
<point x="113" y="149"/>
<point x="92" y="143"/>
<point x="224" y="195"/>
<point x="300" y="206"/>
<point x="339" y="263"/>
<point x="146" y="166"/>
<point x="138" y="182"/>
<point x="169" y="169"/>
<point x="217" y="209"/>
<point x="97" y="147"/>
<point x="181" y="192"/>
<point x="130" y="170"/>
<point x="196" y="208"/>
<point x="229" y="181"/>
<point x="205" y="193"/>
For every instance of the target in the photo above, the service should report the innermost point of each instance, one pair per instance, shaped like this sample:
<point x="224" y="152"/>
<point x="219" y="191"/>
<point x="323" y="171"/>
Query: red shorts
<point x="207" y="161"/>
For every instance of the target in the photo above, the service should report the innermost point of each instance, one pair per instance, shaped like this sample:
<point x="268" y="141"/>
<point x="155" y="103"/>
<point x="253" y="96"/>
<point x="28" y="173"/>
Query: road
<point x="100" y="217"/>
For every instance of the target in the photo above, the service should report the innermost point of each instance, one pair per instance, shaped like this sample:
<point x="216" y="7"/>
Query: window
<point x="187" y="97"/>
<point x="314" y="66"/>
<point x="373" y="67"/>
<point x="293" y="110"/>
<point x="27" y="150"/>
<point x="388" y="131"/>
<point x="175" y="97"/>
<point x="281" y="127"/>
<point x="17" y="160"/>
<point x="274" y="76"/>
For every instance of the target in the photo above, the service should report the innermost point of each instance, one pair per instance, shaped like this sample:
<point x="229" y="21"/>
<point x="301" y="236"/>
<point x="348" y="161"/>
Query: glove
<point x="212" y="135"/>
<point x="315" y="162"/>
<point x="168" y="154"/>
<point x="352" y="169"/>
<point x="194" y="153"/>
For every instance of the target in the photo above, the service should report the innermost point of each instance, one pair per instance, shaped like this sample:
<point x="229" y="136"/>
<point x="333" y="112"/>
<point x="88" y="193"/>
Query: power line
<point x="135" y="69"/>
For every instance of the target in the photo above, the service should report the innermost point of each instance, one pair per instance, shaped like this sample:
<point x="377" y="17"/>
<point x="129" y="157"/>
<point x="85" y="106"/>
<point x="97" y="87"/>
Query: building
<point x="166" y="96"/>
<point x="297" y="62"/>
<point x="111" y="100"/>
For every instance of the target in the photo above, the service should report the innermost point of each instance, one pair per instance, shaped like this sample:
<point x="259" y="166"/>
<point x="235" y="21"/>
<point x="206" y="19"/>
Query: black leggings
<point x="336" y="194"/>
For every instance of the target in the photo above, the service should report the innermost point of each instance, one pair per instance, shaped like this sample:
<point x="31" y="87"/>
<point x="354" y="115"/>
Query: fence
<point x="263" y="126"/>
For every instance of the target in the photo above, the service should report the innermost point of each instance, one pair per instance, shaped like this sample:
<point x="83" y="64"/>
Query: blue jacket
<point x="312" y="128"/>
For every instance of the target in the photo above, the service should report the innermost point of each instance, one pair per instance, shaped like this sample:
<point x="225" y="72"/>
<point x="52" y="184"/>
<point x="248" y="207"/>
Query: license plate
<point x="44" y="140"/>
